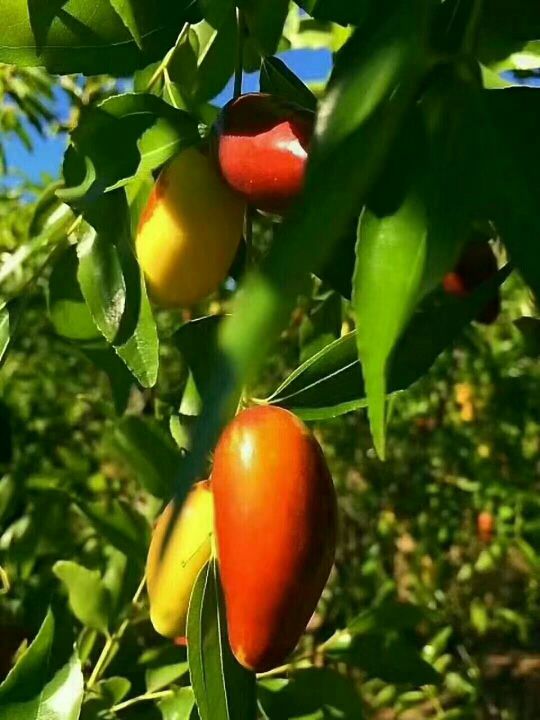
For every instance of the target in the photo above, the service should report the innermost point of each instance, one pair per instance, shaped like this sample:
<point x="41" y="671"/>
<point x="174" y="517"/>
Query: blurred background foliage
<point x="449" y="525"/>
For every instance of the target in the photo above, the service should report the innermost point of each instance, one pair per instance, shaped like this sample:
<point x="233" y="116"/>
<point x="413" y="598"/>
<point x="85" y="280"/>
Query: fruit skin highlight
<point x="171" y="570"/>
<point x="262" y="149"/>
<point x="275" y="519"/>
<point x="189" y="231"/>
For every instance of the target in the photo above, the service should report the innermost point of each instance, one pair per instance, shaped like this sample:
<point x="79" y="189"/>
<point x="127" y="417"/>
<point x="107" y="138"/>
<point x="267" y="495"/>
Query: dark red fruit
<point x="262" y="149"/>
<point x="476" y="265"/>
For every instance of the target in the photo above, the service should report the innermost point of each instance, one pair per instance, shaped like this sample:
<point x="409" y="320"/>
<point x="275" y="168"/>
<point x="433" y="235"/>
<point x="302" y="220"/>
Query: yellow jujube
<point x="189" y="231"/>
<point x="172" y="568"/>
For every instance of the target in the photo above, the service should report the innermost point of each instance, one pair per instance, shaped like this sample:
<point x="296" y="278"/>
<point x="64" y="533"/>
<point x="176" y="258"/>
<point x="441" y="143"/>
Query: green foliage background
<point x="422" y="617"/>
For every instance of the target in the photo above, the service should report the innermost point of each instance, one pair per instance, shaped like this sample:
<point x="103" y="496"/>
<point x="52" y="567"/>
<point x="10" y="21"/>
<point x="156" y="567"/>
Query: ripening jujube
<point x="176" y="556"/>
<point x="262" y="149"/>
<point x="189" y="231"/>
<point x="275" y="523"/>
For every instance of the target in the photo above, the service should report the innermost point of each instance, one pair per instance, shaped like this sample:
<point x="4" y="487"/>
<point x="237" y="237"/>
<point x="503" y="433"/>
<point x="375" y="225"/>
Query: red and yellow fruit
<point x="176" y="557"/>
<point x="476" y="265"/>
<point x="262" y="149"/>
<point x="275" y="520"/>
<point x="189" y="231"/>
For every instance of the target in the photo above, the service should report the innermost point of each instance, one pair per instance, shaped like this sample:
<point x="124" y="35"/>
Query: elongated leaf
<point x="392" y="659"/>
<point x="508" y="36"/>
<point x="216" y="53"/>
<point x="67" y="309"/>
<point x="102" y="282"/>
<point x="342" y="11"/>
<point x="265" y="20"/>
<point x="197" y="340"/>
<point x="149" y="452"/>
<point x="160" y="677"/>
<point x="88" y="598"/>
<point x="223" y="689"/>
<point x="277" y="79"/>
<point x="410" y="233"/>
<point x="312" y="694"/>
<point x="113" y="287"/>
<point x="87" y="36"/>
<point x="47" y="681"/>
<point x="120" y="137"/>
<point x="120" y="525"/>
<point x="510" y="161"/>
<point x="127" y="10"/>
<point x="388" y="273"/>
<point x="181" y="706"/>
<point x="331" y="382"/>
<point x="4" y="330"/>
<point x="120" y="378"/>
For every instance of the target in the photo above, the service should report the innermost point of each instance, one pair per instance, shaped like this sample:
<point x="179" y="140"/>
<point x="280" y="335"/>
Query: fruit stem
<point x="159" y="695"/>
<point x="113" y="640"/>
<point x="239" y="66"/>
<point x="164" y="64"/>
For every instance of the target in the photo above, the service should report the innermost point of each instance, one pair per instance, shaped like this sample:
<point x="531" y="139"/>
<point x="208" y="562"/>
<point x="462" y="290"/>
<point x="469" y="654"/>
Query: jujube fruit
<point x="189" y="231"/>
<point x="476" y="265"/>
<point x="172" y="567"/>
<point x="275" y="520"/>
<point x="485" y="526"/>
<point x="262" y="148"/>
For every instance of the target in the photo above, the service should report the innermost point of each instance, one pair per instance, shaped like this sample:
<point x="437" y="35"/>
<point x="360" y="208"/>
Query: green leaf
<point x="88" y="36"/>
<point x="216" y="54"/>
<point x="160" y="677"/>
<point x="121" y="137"/>
<point x="390" y="260"/>
<point x="122" y="526"/>
<point x="331" y="383"/>
<point x="410" y="233"/>
<point x="127" y="10"/>
<point x="140" y="351"/>
<point x="47" y="681"/>
<point x="120" y="378"/>
<point x="113" y="287"/>
<point x="392" y="659"/>
<point x="265" y="20"/>
<point x="149" y="452"/>
<point x="223" y="689"/>
<point x="321" y="327"/>
<point x="113" y="689"/>
<point x="508" y="37"/>
<point x="277" y="79"/>
<point x="89" y="599"/>
<point x="312" y="694"/>
<point x="529" y="327"/>
<point x="102" y="696"/>
<point x="344" y="12"/>
<point x="181" y="706"/>
<point x="509" y="157"/>
<point x="102" y="282"/>
<point x="4" y="330"/>
<point x="67" y="309"/>
<point x="197" y="340"/>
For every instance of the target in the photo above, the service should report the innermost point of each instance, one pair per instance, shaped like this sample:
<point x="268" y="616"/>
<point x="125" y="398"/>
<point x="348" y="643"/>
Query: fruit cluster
<point x="268" y="513"/>
<point x="192" y="225"/>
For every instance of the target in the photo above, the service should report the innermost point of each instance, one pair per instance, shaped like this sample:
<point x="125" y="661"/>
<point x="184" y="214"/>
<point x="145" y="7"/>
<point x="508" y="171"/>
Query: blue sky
<point x="48" y="152"/>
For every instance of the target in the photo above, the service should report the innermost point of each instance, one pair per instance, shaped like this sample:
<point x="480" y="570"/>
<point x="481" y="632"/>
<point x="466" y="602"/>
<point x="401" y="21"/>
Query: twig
<point x="113" y="640"/>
